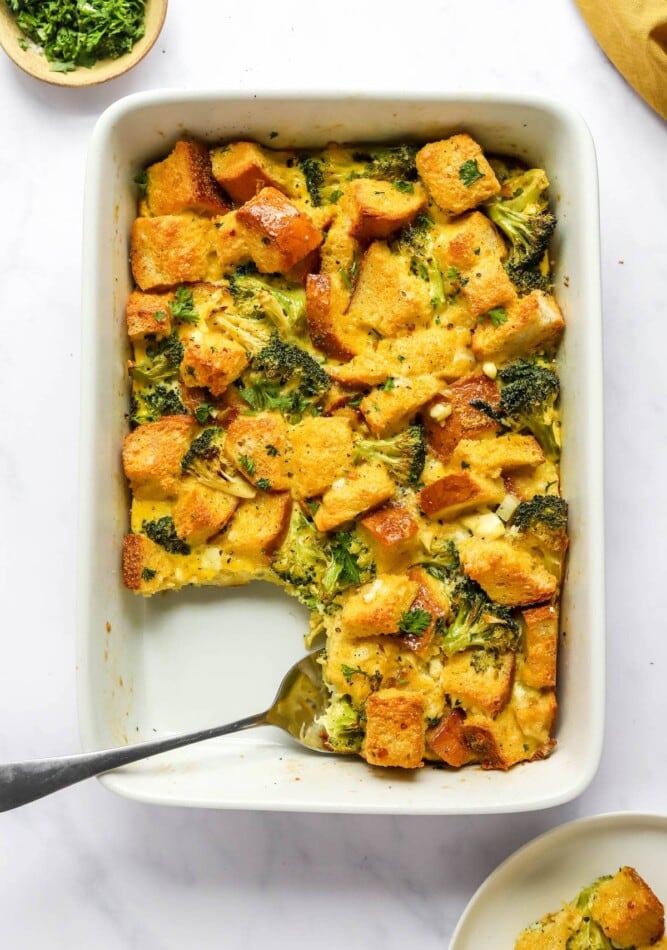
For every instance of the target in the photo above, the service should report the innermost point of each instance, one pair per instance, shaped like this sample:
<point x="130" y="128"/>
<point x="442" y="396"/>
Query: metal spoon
<point x="301" y="698"/>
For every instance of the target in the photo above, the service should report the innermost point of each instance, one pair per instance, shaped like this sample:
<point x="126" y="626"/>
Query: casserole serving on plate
<point x="181" y="661"/>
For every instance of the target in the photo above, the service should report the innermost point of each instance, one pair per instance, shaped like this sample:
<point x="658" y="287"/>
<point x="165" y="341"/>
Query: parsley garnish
<point x="335" y="196"/>
<point x="272" y="450"/>
<point x="350" y="275"/>
<point x="203" y="412"/>
<point x="415" y="622"/>
<point x="182" y="307"/>
<point x="247" y="464"/>
<point x="160" y="316"/>
<point x="148" y="574"/>
<point x="263" y="483"/>
<point x="374" y="679"/>
<point x="389" y="384"/>
<point x="496" y="316"/>
<point x="163" y="532"/>
<point x="469" y="172"/>
<point x="405" y="186"/>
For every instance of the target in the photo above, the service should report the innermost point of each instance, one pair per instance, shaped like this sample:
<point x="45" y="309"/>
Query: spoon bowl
<point x="32" y="61"/>
<point x="301" y="699"/>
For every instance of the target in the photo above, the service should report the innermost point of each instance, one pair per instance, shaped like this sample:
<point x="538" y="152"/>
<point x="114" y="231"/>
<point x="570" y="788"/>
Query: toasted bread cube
<point x="453" y="494"/>
<point x="509" y="575"/>
<point x="534" y="325"/>
<point x="538" y="668"/>
<point x="146" y="565"/>
<point x="386" y="411"/>
<point x="388" y="298"/>
<point x="325" y="306"/>
<point x="391" y="526"/>
<point x="183" y="183"/>
<point x="456" y="173"/>
<point x="152" y="456"/>
<point x="500" y="743"/>
<point x="213" y="361"/>
<point x="488" y="286"/>
<point x="440" y="351"/>
<point x="377" y="607"/>
<point x="468" y="240"/>
<point x="277" y="234"/>
<point x="432" y="599"/>
<point x="552" y="932"/>
<point x="173" y="249"/>
<point x="322" y="448"/>
<point x="628" y="911"/>
<point x="200" y="512"/>
<point x="535" y="712"/>
<point x="244" y="168"/>
<point x="378" y="208"/>
<point x="480" y="680"/>
<point x="502" y="454"/>
<point x="394" y="729"/>
<point x="447" y="740"/>
<point x="148" y="313"/>
<point x="364" y="487"/>
<point x="257" y="445"/>
<point x="443" y="433"/>
<point x="259" y="526"/>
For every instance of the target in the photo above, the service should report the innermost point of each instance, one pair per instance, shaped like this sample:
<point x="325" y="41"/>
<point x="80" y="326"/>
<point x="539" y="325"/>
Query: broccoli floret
<point x="415" y="243"/>
<point x="589" y="936"/>
<point x="545" y="518"/>
<point x="475" y="620"/>
<point x="403" y="454"/>
<point x="258" y="297"/>
<point x="163" y="360"/>
<point x="344" y="725"/>
<point x="284" y="377"/>
<point x="151" y="403"/>
<point x="163" y="532"/>
<point x="526" y="221"/>
<point x="313" y="172"/>
<point x="206" y="461"/>
<point x="388" y="163"/>
<point x="528" y="395"/>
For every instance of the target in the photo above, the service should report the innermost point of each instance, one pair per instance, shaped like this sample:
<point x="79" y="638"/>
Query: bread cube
<point x="534" y="325"/>
<point x="145" y="565"/>
<point x="212" y="361"/>
<point x="487" y="287"/>
<point x="628" y="911"/>
<point x="390" y="527"/>
<point x="440" y="351"/>
<point x="538" y="668"/>
<point x="377" y="607"/>
<point x="481" y="680"/>
<point x="432" y="599"/>
<point x="389" y="410"/>
<point x="509" y="575"/>
<point x="326" y="302"/>
<point x="447" y="740"/>
<point x="277" y="234"/>
<point x="257" y="445"/>
<point x="148" y="313"/>
<point x="183" y="183"/>
<point x="200" y="512"/>
<point x="364" y="487"/>
<point x="504" y="453"/>
<point x="173" y="249"/>
<point x="152" y="456"/>
<point x="244" y="168"/>
<point x="395" y="729"/>
<point x="535" y="712"/>
<point x="388" y="298"/>
<point x="322" y="449"/>
<point x="552" y="932"/>
<point x="456" y="493"/>
<point x="378" y="208"/>
<point x="460" y="419"/>
<point x="456" y="173"/>
<point x="259" y="526"/>
<point x="468" y="240"/>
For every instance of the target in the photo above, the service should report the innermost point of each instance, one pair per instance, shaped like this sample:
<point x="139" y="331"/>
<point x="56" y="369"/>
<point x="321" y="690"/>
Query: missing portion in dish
<point x="619" y="911"/>
<point x="343" y="383"/>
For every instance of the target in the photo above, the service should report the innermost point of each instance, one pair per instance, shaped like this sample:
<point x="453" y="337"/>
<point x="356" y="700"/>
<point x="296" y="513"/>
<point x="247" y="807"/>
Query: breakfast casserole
<point x="618" y="912"/>
<point x="343" y="382"/>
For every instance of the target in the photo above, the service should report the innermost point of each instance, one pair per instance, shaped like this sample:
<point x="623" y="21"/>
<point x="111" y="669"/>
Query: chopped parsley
<point x="496" y="316"/>
<point x="349" y="276"/>
<point x="163" y="532"/>
<point x="272" y="450"/>
<point x="335" y="196"/>
<point x="405" y="186"/>
<point x="263" y="483"/>
<point x="148" y="574"/>
<point x="247" y="464"/>
<point x="389" y="384"/>
<point x="182" y="307"/>
<point x="203" y="412"/>
<point x="469" y="172"/>
<point x="415" y="622"/>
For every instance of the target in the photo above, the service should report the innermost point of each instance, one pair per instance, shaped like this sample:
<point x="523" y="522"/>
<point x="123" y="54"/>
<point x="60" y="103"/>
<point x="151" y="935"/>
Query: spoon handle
<point x="23" y="782"/>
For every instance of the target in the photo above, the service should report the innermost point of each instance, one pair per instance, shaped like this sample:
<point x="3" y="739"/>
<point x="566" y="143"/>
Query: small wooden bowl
<point x="37" y="65"/>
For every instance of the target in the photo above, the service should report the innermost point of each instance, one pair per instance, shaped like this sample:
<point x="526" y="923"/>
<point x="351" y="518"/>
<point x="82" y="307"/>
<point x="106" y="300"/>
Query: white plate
<point x="552" y="869"/>
<point x="198" y="657"/>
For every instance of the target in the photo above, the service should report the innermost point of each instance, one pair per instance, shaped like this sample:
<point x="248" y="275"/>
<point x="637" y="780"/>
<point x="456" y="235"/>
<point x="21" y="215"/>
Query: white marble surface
<point x="88" y="869"/>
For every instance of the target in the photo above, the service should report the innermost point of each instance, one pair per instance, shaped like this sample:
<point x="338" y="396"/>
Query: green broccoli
<point x="149" y="404"/>
<point x="544" y="519"/>
<point x="258" y="297"/>
<point x="528" y="395"/>
<point x="589" y="936"/>
<point x="163" y="360"/>
<point x="403" y="454"/>
<point x="163" y="532"/>
<point x="415" y="243"/>
<point x="388" y="163"/>
<point x="206" y="461"/>
<point x="344" y="725"/>
<point x="284" y="377"/>
<point x="313" y="172"/>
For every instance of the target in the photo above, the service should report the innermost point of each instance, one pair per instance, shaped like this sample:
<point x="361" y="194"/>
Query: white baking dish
<point x="199" y="657"/>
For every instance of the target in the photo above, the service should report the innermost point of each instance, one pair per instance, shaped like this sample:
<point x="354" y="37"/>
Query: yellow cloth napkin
<point x="633" y="34"/>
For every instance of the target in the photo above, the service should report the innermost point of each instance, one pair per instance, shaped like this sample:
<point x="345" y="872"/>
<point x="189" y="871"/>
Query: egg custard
<point x="343" y="383"/>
